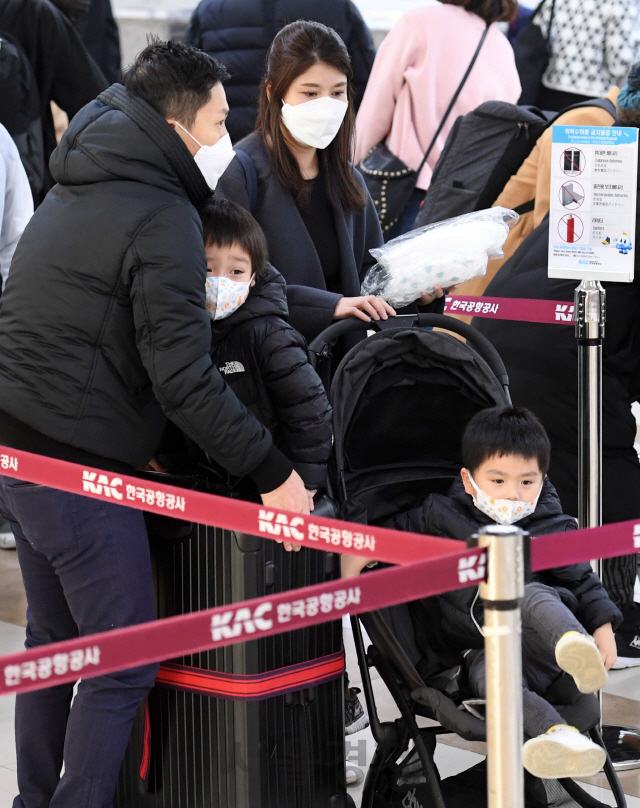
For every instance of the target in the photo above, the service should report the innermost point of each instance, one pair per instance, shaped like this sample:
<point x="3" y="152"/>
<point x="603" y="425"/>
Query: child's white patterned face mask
<point x="224" y="296"/>
<point x="502" y="511"/>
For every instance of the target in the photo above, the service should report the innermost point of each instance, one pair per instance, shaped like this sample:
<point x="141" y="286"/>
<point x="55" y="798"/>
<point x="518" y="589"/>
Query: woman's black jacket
<point x="291" y="250"/>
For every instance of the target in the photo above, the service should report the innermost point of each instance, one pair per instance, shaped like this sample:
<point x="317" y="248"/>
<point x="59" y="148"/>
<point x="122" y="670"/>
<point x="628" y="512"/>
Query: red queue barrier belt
<point x="444" y="567"/>
<point x="555" y="312"/>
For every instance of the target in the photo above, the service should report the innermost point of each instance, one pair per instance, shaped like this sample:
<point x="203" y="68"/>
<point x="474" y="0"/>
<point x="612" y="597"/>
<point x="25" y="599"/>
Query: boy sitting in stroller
<point x="567" y="616"/>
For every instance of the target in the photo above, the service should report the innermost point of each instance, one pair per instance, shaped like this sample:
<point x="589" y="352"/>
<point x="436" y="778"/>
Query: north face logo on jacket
<point x="232" y="367"/>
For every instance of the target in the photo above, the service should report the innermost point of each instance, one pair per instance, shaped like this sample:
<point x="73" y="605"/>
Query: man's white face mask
<point x="315" y="123"/>
<point x="212" y="160"/>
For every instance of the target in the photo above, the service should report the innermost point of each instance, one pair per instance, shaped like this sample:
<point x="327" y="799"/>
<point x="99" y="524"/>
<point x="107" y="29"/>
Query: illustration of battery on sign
<point x="570" y="228"/>
<point x="572" y="162"/>
<point x="571" y="195"/>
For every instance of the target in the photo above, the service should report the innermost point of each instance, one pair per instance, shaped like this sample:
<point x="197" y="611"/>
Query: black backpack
<point x="484" y="149"/>
<point x="20" y="110"/>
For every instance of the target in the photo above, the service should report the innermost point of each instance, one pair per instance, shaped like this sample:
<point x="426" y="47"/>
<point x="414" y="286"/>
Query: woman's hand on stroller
<point x="290" y="496"/>
<point x="365" y="308"/>
<point x="427" y="299"/>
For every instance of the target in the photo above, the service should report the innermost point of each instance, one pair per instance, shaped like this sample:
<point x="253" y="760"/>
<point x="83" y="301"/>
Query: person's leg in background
<point x="86" y="568"/>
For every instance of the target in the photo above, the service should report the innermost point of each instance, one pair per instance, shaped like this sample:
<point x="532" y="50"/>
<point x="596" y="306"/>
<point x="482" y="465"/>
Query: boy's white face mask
<point x="315" y="123"/>
<point x="503" y="511"/>
<point x="224" y="296"/>
<point x="214" y="160"/>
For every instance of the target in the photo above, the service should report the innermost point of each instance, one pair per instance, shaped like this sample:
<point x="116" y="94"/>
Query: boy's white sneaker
<point x="562" y="752"/>
<point x="578" y="655"/>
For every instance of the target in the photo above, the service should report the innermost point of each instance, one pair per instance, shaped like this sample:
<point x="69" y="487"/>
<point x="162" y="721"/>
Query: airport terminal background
<point x="621" y="702"/>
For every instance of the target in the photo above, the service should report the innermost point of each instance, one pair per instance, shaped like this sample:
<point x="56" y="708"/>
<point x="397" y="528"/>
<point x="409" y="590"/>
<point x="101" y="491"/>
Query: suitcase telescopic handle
<point x="320" y="348"/>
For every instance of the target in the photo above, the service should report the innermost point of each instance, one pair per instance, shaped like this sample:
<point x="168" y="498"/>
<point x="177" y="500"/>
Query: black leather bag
<point x="389" y="181"/>
<point x="532" y="50"/>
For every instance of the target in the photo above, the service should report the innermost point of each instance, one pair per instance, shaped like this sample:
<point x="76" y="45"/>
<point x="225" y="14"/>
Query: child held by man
<point x="567" y="616"/>
<point x="260" y="356"/>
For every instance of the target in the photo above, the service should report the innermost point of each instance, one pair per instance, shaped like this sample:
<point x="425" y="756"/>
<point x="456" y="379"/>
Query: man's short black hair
<point x="501" y="431"/>
<point x="175" y="78"/>
<point x="225" y="223"/>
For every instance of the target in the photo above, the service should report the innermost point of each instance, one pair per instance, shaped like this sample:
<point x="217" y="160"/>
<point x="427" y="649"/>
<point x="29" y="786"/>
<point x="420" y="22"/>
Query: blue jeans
<point x="86" y="568"/>
<point x="545" y="619"/>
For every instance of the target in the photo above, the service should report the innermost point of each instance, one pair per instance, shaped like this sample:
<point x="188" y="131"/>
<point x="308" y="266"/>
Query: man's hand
<point x="311" y="492"/>
<point x="153" y="465"/>
<point x="606" y="642"/>
<point x="290" y="496"/>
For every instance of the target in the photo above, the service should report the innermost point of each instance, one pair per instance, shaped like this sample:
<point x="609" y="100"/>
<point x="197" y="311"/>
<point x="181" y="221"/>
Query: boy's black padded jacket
<point x="265" y="362"/>
<point x="455" y="516"/>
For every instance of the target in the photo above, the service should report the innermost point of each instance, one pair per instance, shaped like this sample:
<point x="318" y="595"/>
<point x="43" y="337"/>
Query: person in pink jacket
<point x="415" y="74"/>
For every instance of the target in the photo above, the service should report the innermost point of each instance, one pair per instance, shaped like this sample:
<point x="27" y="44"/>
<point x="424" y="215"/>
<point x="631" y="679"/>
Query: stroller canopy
<point x="401" y="400"/>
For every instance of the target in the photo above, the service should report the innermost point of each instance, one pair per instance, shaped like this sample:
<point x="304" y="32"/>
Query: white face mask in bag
<point x="315" y="123"/>
<point x="503" y="511"/>
<point x="212" y="160"/>
<point x="224" y="296"/>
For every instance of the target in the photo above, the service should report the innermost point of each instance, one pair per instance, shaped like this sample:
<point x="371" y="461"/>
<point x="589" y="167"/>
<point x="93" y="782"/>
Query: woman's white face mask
<point x="214" y="160"/>
<point x="502" y="511"/>
<point x="224" y="296"/>
<point x="315" y="123"/>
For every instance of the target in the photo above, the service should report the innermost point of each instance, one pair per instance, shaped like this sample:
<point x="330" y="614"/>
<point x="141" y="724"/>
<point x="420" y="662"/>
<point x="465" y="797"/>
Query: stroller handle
<point x="319" y="348"/>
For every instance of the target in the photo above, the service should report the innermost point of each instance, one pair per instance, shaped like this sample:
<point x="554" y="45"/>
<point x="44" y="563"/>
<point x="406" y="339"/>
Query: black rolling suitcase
<point x="191" y="750"/>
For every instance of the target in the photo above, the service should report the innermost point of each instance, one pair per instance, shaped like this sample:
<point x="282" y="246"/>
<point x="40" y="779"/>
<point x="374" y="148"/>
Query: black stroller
<point x="426" y="385"/>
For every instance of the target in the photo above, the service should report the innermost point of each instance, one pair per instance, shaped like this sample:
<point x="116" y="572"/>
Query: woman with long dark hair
<point x="314" y="208"/>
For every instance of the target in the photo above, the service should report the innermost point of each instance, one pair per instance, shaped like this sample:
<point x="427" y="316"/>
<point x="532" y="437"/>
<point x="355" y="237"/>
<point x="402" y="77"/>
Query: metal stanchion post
<point x="502" y="592"/>
<point x="622" y="743"/>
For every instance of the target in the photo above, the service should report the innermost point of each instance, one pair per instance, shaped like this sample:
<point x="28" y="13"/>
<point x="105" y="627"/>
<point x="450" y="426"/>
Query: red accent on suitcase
<point x="254" y="686"/>
<point x="145" y="760"/>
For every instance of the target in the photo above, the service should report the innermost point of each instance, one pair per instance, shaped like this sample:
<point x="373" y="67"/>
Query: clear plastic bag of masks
<point x="440" y="254"/>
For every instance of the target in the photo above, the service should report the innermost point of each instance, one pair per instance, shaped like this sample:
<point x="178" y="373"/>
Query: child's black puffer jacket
<point x="455" y="516"/>
<point x="265" y="362"/>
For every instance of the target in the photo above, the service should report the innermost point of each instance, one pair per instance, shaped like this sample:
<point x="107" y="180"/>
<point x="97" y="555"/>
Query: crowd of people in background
<point x="116" y="315"/>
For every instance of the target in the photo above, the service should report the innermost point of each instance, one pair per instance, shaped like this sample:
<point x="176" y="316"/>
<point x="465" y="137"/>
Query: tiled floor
<point x="11" y="639"/>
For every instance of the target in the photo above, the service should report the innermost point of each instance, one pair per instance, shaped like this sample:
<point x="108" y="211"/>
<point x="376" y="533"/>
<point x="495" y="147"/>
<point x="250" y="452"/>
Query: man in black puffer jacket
<point x="239" y="35"/>
<point x="103" y="336"/>
<point x="262" y="358"/>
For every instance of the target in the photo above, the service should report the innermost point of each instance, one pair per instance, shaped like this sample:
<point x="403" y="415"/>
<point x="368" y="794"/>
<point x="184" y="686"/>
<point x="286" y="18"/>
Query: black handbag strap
<point x="454" y="99"/>
<point x="551" y="16"/>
